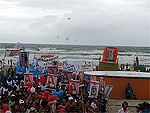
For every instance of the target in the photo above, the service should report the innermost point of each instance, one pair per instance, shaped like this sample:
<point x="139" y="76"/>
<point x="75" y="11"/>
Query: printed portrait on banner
<point x="66" y="76"/>
<point x="81" y="77"/>
<point x="24" y="59"/>
<point x="53" y="107"/>
<point x="73" y="87"/>
<point x="102" y="84"/>
<point x="52" y="69"/>
<point x="51" y="81"/>
<point x="28" y="77"/>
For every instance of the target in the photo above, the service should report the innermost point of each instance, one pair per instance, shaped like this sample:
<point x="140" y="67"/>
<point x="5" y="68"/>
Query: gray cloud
<point x="91" y="22"/>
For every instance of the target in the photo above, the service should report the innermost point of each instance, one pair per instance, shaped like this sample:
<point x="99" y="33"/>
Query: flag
<point x="89" y="82"/>
<point x="70" y="89"/>
<point x="42" y="79"/>
<point x="36" y="80"/>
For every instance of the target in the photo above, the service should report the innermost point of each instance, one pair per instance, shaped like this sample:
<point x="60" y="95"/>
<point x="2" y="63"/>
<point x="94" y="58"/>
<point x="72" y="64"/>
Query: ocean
<point x="82" y="53"/>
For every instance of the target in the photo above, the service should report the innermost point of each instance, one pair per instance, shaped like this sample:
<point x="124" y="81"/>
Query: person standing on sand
<point x="124" y="108"/>
<point x="128" y="91"/>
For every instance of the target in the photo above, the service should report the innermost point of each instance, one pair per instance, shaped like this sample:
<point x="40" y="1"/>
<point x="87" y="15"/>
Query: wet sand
<point x="115" y="104"/>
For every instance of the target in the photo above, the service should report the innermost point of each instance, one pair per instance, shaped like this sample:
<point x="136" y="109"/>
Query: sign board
<point x="108" y="66"/>
<point x="13" y="52"/>
<point x="94" y="88"/>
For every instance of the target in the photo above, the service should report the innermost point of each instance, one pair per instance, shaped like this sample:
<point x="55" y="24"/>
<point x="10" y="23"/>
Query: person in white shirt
<point x="124" y="108"/>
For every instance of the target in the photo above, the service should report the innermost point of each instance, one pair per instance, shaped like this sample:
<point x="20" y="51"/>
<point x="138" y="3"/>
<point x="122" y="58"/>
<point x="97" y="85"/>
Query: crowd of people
<point x="15" y="97"/>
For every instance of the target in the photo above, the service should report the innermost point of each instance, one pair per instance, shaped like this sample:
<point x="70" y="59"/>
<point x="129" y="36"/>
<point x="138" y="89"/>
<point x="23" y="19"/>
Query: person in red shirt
<point x="70" y="104"/>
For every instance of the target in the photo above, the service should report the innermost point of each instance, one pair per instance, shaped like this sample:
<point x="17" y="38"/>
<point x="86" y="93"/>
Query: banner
<point x="71" y="67"/>
<point x="94" y="88"/>
<point x="66" y="77"/>
<point x="73" y="87"/>
<point x="24" y="59"/>
<point x="28" y="77"/>
<point x="19" y="69"/>
<point x="46" y="58"/>
<point x="110" y="54"/>
<point x="43" y="71"/>
<point x="52" y="69"/>
<point x="51" y="81"/>
<point x="53" y="107"/>
<point x="81" y="77"/>
<point x="86" y="66"/>
<point x="102" y="84"/>
<point x="13" y="52"/>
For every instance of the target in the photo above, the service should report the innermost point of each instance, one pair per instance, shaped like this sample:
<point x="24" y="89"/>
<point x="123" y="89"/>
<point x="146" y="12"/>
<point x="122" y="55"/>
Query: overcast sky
<point x="95" y="22"/>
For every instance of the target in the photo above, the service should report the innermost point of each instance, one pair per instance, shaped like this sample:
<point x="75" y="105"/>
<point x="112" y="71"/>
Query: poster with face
<point x="110" y="54"/>
<point x="74" y="87"/>
<point x="81" y="77"/>
<point x="53" y="107"/>
<point x="51" y="81"/>
<point x="28" y="77"/>
<point x="24" y="59"/>
<point x="66" y="76"/>
<point x="52" y="69"/>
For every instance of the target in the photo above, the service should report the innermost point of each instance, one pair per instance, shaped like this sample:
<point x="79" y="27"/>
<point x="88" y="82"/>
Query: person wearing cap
<point x="70" y="104"/>
<point x="12" y="100"/>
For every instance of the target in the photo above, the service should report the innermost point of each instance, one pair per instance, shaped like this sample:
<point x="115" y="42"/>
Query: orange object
<point x="110" y="54"/>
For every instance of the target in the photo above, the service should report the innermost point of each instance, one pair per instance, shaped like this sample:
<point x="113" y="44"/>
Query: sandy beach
<point x="115" y="104"/>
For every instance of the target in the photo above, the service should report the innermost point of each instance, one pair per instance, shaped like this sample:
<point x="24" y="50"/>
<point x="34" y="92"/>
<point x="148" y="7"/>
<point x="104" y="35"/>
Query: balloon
<point x="54" y="92"/>
<point x="29" y="84"/>
<point x="32" y="90"/>
<point x="5" y="107"/>
<point x="49" y="104"/>
<point x="29" y="90"/>
<point x="43" y="94"/>
<point x="46" y="93"/>
<point x="39" y="96"/>
<point x="69" y="18"/>
<point x="55" y="97"/>
<point x="62" y="111"/>
<point x="51" y="98"/>
<point x="8" y="111"/>
<point x="58" y="94"/>
<point x="43" y="97"/>
<point x="1" y="111"/>
<point x="61" y="92"/>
